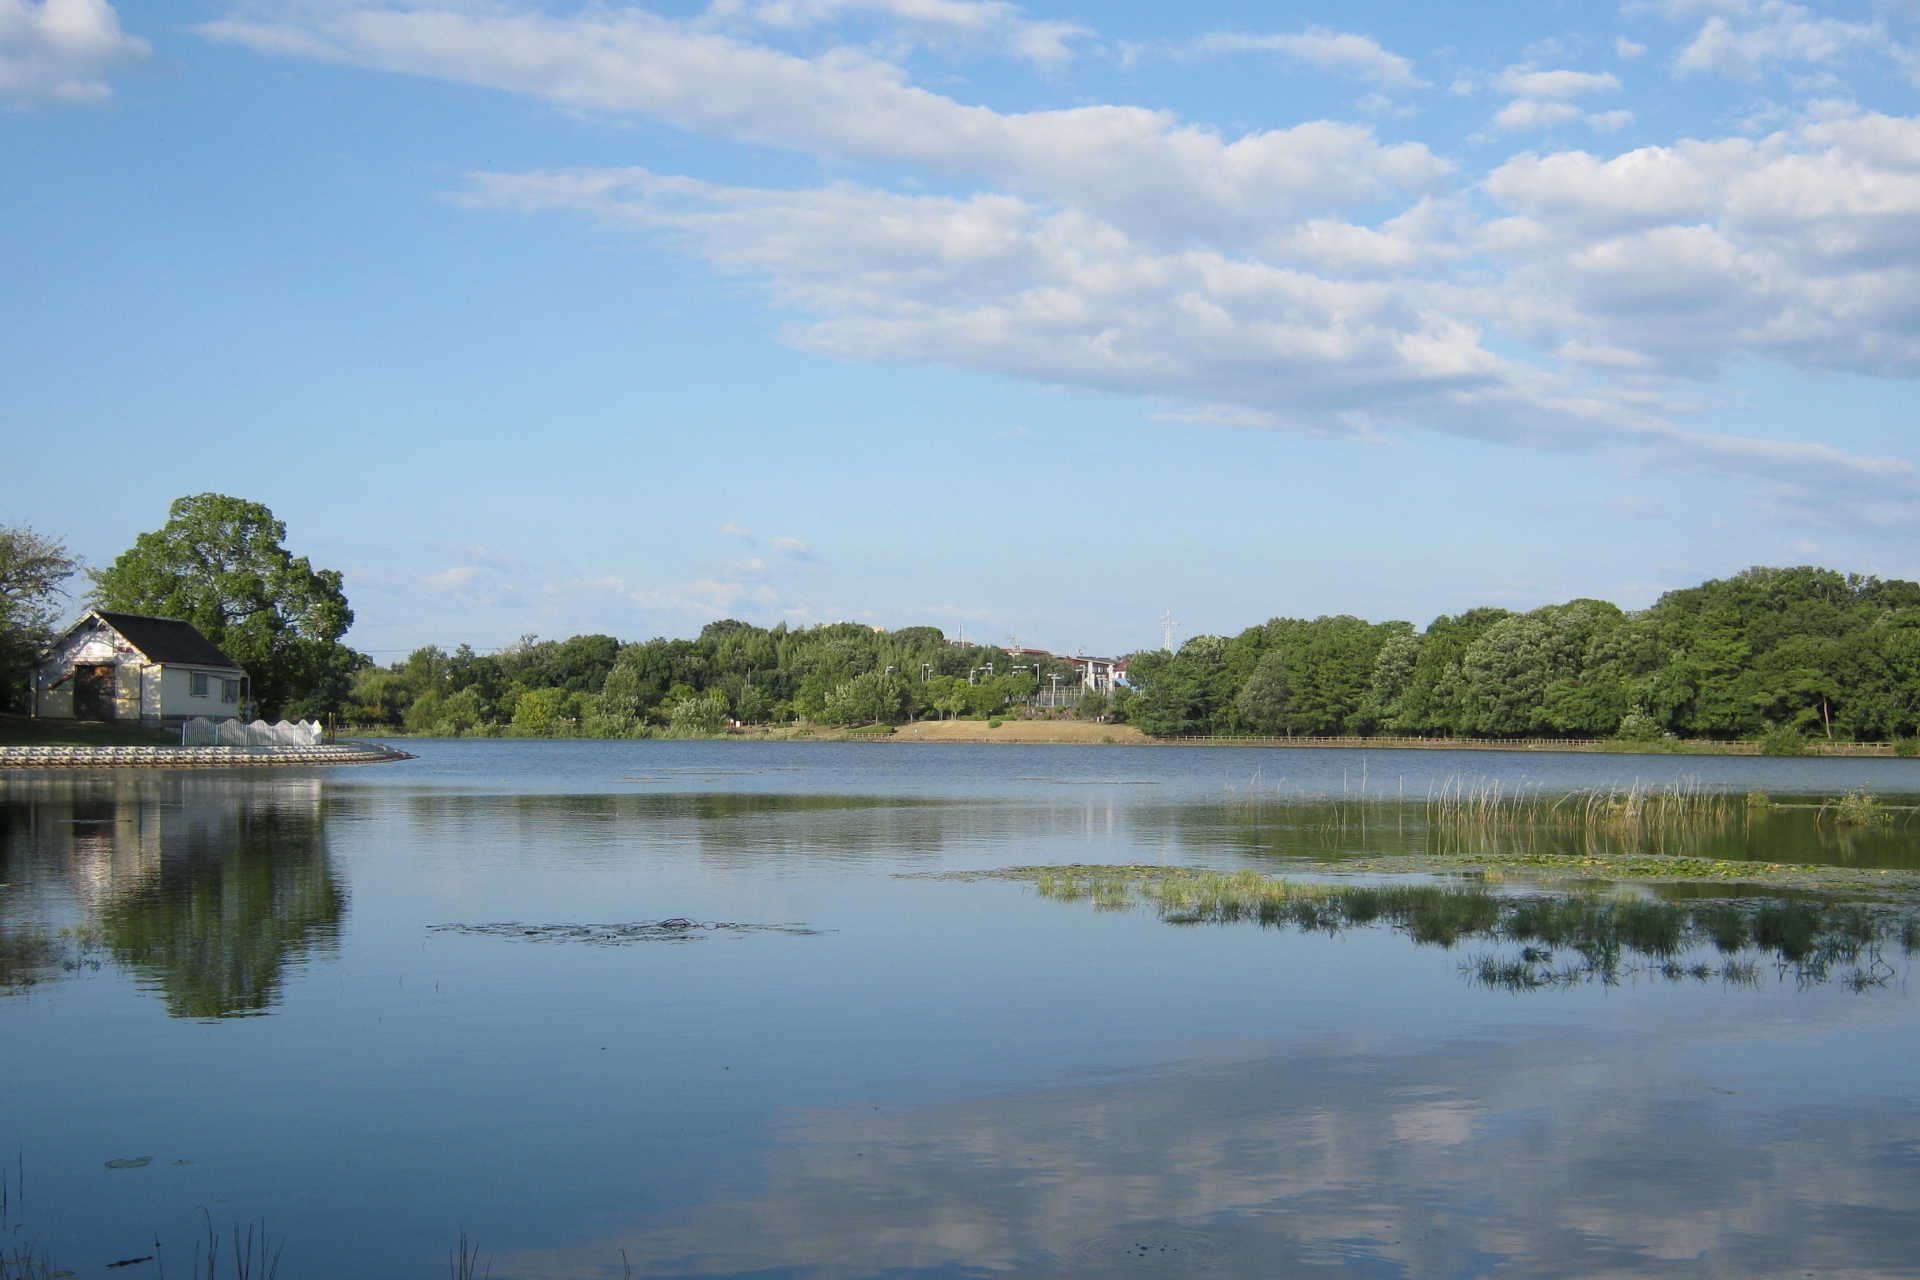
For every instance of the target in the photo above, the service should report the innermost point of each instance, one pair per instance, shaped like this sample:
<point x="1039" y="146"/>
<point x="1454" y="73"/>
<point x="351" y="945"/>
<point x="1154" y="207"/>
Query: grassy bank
<point x="25" y="731"/>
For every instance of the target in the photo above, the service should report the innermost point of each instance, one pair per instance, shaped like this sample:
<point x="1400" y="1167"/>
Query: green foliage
<point x="872" y="698"/>
<point x="219" y="564"/>
<point x="33" y="573"/>
<point x="1638" y="726"/>
<point x="1861" y="808"/>
<point x="838" y="674"/>
<point x="1783" y="741"/>
<point x="1788" y="653"/>
<point x="698" y="715"/>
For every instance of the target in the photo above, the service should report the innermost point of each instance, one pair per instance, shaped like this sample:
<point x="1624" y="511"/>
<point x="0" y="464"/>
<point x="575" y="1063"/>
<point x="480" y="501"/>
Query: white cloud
<point x="1344" y="52"/>
<point x="1626" y="49"/>
<point x="954" y="23"/>
<point x="793" y="549"/>
<point x="1802" y="248"/>
<point x="1528" y="114"/>
<point x="1525" y="82"/>
<point x="1742" y="40"/>
<point x="62" y="50"/>
<point x="1119" y="249"/>
<point x="1541" y="99"/>
<point x="1141" y="170"/>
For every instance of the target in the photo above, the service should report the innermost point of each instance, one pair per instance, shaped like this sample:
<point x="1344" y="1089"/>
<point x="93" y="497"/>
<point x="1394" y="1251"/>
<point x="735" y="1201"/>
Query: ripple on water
<point x="1155" y="1248"/>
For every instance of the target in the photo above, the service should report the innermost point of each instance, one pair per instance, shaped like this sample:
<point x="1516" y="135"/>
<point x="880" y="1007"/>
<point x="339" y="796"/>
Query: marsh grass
<point x="1560" y="939"/>
<point x="1637" y="819"/>
<point x="1858" y="808"/>
<point x="1679" y="830"/>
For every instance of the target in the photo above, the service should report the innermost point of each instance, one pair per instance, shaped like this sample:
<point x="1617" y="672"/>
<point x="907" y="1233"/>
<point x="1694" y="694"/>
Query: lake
<point x="726" y="1009"/>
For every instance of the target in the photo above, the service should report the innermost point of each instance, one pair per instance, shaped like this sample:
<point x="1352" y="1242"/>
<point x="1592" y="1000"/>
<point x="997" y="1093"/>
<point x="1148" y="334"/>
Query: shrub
<point x="1783" y="740"/>
<point x="698" y="717"/>
<point x="1638" y="726"/>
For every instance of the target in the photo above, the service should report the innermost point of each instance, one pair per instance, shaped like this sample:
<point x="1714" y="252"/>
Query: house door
<point x="93" y="693"/>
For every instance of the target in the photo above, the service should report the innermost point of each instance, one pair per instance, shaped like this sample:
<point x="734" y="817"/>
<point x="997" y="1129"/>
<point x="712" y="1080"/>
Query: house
<point x="123" y="666"/>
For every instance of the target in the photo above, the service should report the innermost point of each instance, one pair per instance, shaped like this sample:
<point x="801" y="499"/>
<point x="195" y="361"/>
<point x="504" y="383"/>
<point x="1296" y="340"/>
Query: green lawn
<point x="24" y="731"/>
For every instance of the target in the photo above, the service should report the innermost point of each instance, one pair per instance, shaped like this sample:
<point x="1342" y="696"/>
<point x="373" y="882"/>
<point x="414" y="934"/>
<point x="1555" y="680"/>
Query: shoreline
<point x="1085" y="733"/>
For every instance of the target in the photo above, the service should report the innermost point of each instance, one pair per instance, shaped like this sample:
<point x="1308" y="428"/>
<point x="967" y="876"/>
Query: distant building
<point x="1097" y="675"/>
<point x="126" y="667"/>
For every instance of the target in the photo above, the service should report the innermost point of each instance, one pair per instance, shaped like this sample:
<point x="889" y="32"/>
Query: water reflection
<point x="1545" y="940"/>
<point x="206" y="889"/>
<point x="1538" y="1153"/>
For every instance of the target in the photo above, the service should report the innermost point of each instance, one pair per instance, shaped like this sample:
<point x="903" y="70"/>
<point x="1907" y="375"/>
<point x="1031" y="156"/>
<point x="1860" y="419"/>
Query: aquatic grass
<point x="1859" y="808"/>
<point x="1638" y="819"/>
<point x="1562" y="938"/>
<point x="463" y="1261"/>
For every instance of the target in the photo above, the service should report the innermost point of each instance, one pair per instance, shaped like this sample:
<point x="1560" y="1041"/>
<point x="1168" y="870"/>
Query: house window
<point x="229" y="691"/>
<point x="197" y="684"/>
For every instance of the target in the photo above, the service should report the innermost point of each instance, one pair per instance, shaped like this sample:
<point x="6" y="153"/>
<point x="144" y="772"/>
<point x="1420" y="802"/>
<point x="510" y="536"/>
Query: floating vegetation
<point x="1560" y="939"/>
<point x="677" y="929"/>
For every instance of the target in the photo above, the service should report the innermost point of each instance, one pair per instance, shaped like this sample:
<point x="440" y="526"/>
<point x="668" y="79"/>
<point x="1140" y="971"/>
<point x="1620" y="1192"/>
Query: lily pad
<point x="138" y="1162"/>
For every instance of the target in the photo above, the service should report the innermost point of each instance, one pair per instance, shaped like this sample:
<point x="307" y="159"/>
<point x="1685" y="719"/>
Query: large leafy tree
<point x="219" y="563"/>
<point x="33" y="571"/>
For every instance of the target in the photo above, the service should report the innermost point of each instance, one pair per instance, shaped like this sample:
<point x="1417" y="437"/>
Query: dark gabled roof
<point x="167" y="640"/>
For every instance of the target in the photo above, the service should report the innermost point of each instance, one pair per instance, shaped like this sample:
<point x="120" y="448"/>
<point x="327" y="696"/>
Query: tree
<point x="33" y="573"/>
<point x="1266" y="699"/>
<point x="219" y="564"/>
<point x="873" y="698"/>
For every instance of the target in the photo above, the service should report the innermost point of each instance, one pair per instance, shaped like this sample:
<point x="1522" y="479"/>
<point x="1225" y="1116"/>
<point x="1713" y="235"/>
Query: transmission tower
<point x="1166" y="621"/>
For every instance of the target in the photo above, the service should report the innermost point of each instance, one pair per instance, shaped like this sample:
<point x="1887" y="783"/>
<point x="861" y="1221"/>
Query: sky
<point x="1020" y="321"/>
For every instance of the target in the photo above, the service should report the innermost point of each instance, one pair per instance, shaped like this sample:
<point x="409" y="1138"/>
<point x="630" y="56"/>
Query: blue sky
<point x="1028" y="320"/>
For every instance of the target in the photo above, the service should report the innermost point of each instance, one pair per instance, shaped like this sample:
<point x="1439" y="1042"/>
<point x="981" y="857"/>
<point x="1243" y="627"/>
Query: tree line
<point x="1801" y="651"/>
<point x="1796" y="651"/>
<point x="595" y="686"/>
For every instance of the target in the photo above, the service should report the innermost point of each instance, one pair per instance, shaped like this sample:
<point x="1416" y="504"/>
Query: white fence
<point x="201" y="732"/>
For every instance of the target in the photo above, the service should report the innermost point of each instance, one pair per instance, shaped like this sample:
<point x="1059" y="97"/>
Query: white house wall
<point x="177" y="699"/>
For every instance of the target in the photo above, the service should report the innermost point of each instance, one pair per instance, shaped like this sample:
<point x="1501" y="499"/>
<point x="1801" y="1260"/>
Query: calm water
<point x="915" y="1076"/>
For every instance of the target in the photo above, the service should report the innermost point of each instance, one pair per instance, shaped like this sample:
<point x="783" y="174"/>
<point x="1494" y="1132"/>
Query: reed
<point x="1640" y="819"/>
<point x="463" y="1261"/>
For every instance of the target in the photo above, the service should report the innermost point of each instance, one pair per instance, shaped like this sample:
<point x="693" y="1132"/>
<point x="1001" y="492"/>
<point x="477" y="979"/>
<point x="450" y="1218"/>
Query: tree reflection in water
<point x="206" y="889"/>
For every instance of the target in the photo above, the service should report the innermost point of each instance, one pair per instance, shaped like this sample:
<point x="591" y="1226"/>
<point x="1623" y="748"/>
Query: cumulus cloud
<point x="952" y="23"/>
<point x="62" y="51"/>
<point x="1142" y="170"/>
<point x="1541" y="98"/>
<point x="793" y="549"/>
<point x="1740" y="40"/>
<point x="1313" y="278"/>
<point x="996" y="283"/>
<point x="1343" y="52"/>
<point x="1802" y="247"/>
<point x="1526" y="82"/>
